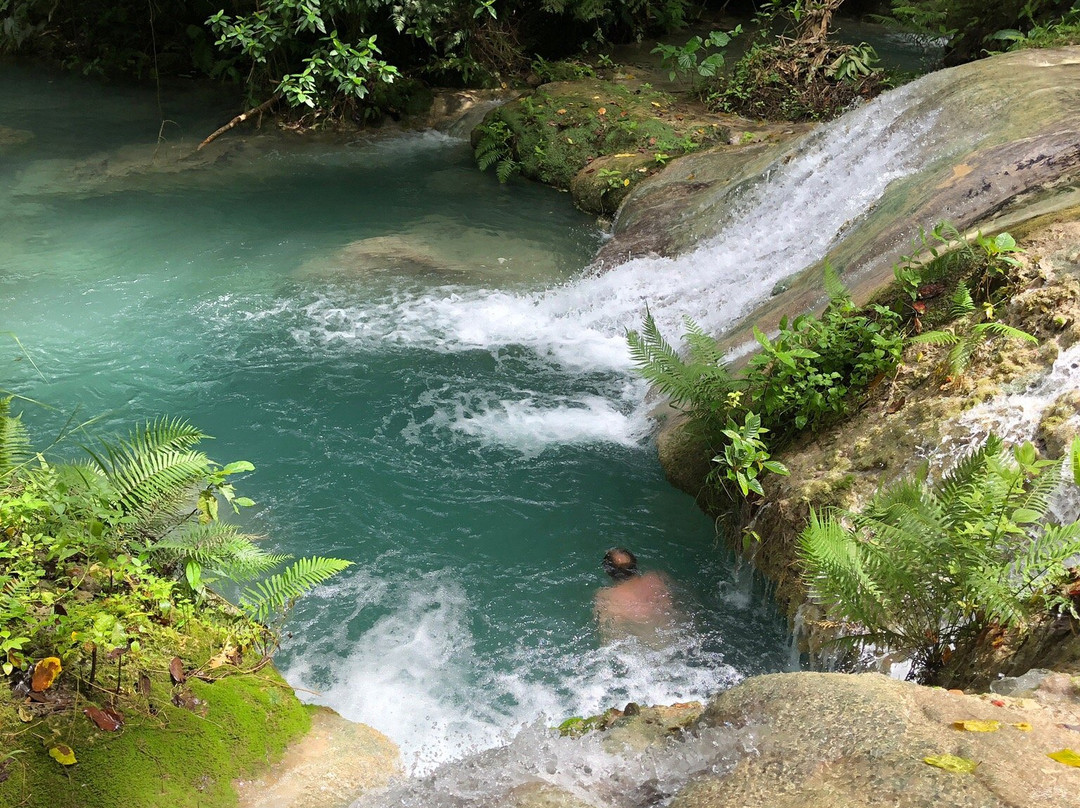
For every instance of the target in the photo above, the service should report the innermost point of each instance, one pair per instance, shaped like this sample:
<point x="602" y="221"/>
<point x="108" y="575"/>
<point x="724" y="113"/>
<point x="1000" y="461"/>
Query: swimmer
<point x="638" y="603"/>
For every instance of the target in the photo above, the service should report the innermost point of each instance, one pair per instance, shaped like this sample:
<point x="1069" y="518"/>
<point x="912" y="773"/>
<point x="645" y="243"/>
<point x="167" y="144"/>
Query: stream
<point x="403" y="349"/>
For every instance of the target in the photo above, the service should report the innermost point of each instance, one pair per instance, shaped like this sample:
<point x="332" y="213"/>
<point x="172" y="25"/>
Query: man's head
<point x="620" y="563"/>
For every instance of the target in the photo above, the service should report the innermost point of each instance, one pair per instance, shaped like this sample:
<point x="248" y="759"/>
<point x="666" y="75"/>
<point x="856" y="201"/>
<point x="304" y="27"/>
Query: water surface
<point x="370" y="323"/>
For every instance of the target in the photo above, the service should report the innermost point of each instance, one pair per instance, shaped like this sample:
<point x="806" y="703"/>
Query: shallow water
<point x="368" y="324"/>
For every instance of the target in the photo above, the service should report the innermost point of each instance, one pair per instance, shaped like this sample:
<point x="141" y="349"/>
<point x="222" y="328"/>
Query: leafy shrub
<point x="113" y="555"/>
<point x="812" y="372"/>
<point x="701" y="56"/>
<point x="793" y="70"/>
<point x="926" y="563"/>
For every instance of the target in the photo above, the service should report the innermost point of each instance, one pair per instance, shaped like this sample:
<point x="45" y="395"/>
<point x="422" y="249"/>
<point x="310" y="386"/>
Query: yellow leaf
<point x="562" y="111"/>
<point x="625" y="154"/>
<point x="1066" y="756"/>
<point x="45" y="673"/>
<point x="1023" y="726"/>
<point x="655" y="103"/>
<point x="63" y="755"/>
<point x="25" y="715"/>
<point x="978" y="726"/>
<point x="601" y="111"/>
<point x="626" y="182"/>
<point x="570" y="141"/>
<point x="952" y="763"/>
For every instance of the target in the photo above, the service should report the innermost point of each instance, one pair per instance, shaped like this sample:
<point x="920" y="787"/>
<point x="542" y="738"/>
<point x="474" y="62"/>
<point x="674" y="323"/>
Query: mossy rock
<point x="557" y="131"/>
<point x="603" y="184"/>
<point x="168" y="755"/>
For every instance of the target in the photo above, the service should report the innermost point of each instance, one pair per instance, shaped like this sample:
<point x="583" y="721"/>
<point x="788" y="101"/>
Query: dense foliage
<point x="335" y="55"/>
<point x="927" y="562"/>
<point x="793" y="69"/>
<point x="972" y="28"/>
<point x="814" y="370"/>
<point x="111" y="557"/>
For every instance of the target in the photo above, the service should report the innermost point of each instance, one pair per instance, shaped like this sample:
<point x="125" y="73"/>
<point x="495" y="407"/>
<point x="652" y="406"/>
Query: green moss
<point x="179" y="757"/>
<point x="563" y="127"/>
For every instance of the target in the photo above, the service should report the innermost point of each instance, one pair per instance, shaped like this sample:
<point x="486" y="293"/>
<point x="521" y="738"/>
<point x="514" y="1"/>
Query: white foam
<point x="589" y="768"/>
<point x="414" y="674"/>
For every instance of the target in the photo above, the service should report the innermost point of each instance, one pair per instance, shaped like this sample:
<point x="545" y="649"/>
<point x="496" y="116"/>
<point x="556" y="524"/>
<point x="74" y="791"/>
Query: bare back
<point x="636" y="606"/>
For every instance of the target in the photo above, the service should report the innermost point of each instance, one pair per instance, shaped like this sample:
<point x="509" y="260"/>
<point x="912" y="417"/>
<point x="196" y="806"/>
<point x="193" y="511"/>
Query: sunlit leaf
<point x="952" y="763"/>
<point x="45" y="673"/>
<point x="1066" y="756"/>
<point x="63" y="755"/>
<point x="977" y="726"/>
<point x="1023" y="726"/>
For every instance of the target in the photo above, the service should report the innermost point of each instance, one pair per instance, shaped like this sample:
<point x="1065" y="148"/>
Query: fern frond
<point x="220" y="548"/>
<point x="277" y="592"/>
<point x="834" y="287"/>
<point x="155" y="468"/>
<point x="14" y="440"/>
<point x="999" y="329"/>
<point x="961" y="303"/>
<point x="703" y="348"/>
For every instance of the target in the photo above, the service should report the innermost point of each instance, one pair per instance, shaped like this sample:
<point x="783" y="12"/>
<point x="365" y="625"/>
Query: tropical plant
<point x="701" y="384"/>
<point x="494" y="147"/>
<point x="746" y="457"/>
<point x="97" y="556"/>
<point x="926" y="563"/>
<point x="965" y="335"/>
<point x="815" y="366"/>
<point x="813" y="370"/>
<point x="699" y="56"/>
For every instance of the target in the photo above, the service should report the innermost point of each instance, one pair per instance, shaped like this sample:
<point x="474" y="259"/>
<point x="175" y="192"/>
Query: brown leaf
<point x="40" y="698"/>
<point x="107" y="721"/>
<point x="144" y="685"/>
<point x="919" y="306"/>
<point x="895" y="405"/>
<point x="176" y="671"/>
<point x="45" y="673"/>
<point x="928" y="291"/>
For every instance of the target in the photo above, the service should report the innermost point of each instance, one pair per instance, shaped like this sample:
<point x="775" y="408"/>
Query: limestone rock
<point x="328" y="768"/>
<point x="841" y="741"/>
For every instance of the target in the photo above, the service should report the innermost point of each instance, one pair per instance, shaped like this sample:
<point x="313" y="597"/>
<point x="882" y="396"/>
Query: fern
<point x="14" y="442"/>
<point x="155" y="469"/>
<point x="277" y="592"/>
<point x="219" y="548"/>
<point x="966" y="337"/>
<point x="923" y="564"/>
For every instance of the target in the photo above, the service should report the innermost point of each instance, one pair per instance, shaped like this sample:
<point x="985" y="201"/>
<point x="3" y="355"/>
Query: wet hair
<point x="620" y="563"/>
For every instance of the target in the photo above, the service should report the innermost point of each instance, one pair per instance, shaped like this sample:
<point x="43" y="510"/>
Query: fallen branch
<point x="239" y="119"/>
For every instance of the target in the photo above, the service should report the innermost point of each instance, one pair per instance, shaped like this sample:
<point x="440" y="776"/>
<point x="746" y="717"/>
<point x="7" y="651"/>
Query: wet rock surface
<point x="840" y="740"/>
<point x="328" y="768"/>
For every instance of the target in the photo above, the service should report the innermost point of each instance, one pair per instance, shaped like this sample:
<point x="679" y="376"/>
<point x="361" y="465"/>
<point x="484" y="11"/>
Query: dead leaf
<point x="1023" y="726"/>
<point x="63" y="755"/>
<point x="561" y="111"/>
<point x="977" y="726"/>
<point x="1066" y="756"/>
<point x="144" y="685"/>
<point x="25" y="715"/>
<point x="928" y="291"/>
<point x="952" y="763"/>
<point x="919" y="306"/>
<point x="895" y="405"/>
<point x="997" y="702"/>
<point x="601" y="111"/>
<point x="176" y="671"/>
<point x="45" y="673"/>
<point x="108" y="721"/>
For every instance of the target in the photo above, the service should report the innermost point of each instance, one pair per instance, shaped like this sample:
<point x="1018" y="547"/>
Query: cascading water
<point x="428" y="386"/>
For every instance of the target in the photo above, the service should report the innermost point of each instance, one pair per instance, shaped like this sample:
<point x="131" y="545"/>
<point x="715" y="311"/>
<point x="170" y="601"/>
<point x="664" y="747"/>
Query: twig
<point x="239" y="119"/>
